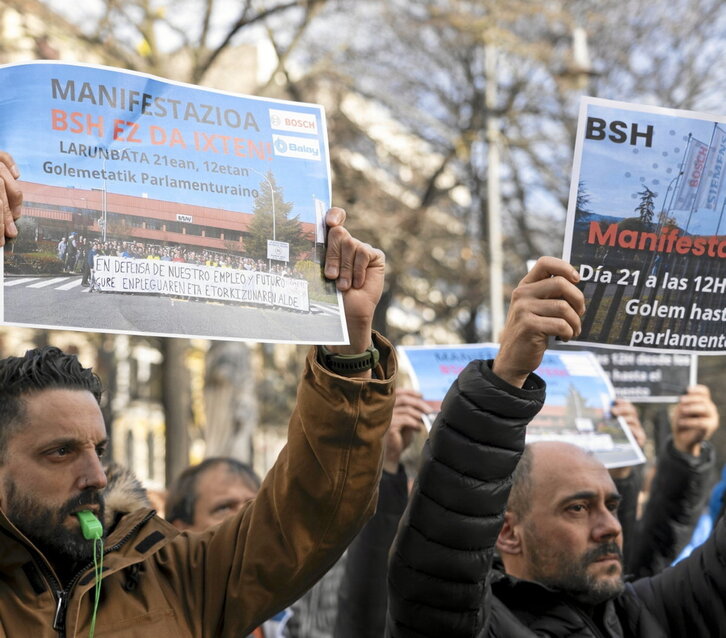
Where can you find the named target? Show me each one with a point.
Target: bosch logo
(309, 124)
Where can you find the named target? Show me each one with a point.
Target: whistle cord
(97, 570)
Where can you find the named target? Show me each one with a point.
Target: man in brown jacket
(157, 581)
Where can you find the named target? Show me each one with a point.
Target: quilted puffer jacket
(441, 578)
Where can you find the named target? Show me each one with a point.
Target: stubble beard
(571, 576)
(46, 527)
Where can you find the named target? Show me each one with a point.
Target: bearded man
(550, 510)
(158, 581)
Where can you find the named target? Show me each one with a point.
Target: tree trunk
(230, 401)
(177, 402)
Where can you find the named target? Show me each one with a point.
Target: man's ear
(509, 540)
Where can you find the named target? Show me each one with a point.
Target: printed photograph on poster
(644, 377)
(646, 228)
(156, 207)
(576, 409)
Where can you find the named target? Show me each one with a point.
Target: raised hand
(545, 304)
(628, 411)
(407, 420)
(358, 270)
(694, 420)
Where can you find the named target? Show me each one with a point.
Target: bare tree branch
(243, 21)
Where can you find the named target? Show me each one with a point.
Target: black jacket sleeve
(690, 597)
(678, 496)
(362, 596)
(438, 582)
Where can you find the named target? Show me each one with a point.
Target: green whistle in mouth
(90, 525)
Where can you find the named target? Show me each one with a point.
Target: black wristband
(348, 363)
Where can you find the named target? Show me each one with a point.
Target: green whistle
(90, 525)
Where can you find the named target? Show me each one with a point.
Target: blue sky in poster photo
(618, 161)
(168, 131)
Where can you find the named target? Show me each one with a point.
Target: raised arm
(628, 480)
(678, 494)
(323, 486)
(442, 555)
(358, 269)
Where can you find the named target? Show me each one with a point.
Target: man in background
(207, 493)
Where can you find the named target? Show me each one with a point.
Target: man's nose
(92, 474)
(607, 525)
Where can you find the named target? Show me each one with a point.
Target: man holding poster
(550, 511)
(154, 580)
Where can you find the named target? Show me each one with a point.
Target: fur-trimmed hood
(123, 494)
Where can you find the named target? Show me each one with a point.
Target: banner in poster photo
(646, 228)
(157, 207)
(576, 410)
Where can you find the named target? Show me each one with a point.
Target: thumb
(335, 217)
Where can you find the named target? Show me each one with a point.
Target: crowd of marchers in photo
(74, 252)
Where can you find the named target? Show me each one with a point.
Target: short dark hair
(520, 497)
(39, 369)
(182, 496)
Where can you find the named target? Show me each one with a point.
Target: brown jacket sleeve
(312, 503)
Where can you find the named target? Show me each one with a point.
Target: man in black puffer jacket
(559, 536)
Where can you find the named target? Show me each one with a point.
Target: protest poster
(645, 377)
(645, 227)
(576, 409)
(162, 208)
